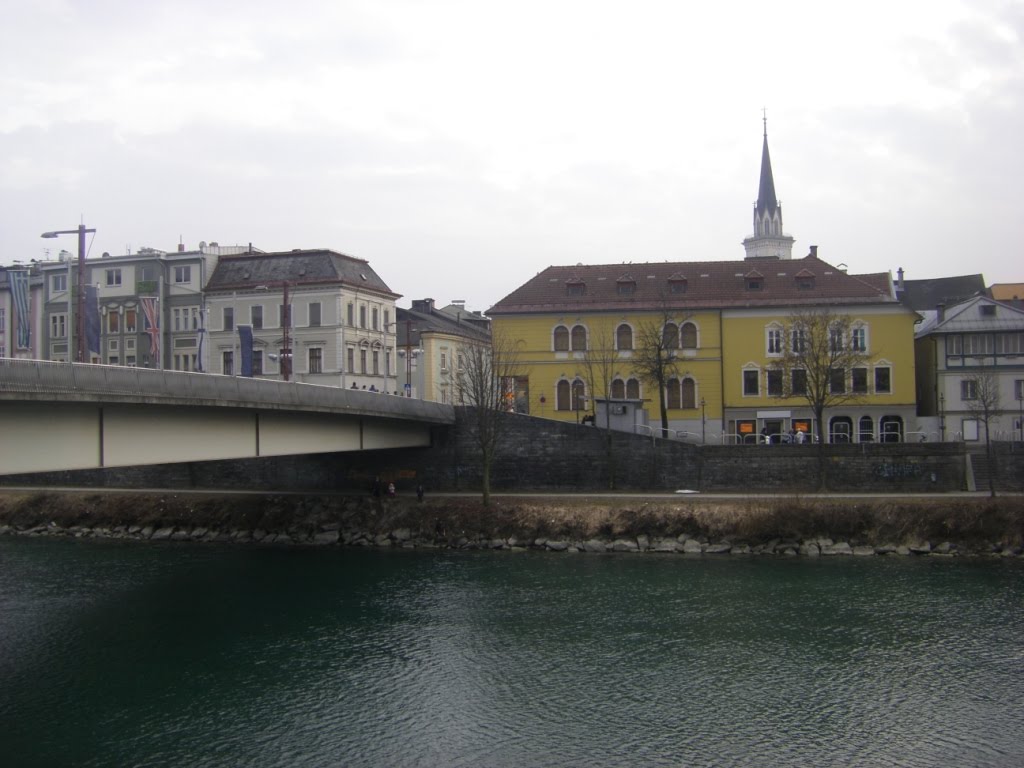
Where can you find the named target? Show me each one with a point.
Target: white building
(339, 328)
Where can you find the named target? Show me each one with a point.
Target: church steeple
(768, 240)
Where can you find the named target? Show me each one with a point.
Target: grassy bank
(971, 524)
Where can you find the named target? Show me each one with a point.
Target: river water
(128, 654)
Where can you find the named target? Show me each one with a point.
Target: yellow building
(723, 322)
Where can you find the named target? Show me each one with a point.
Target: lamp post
(286, 321)
(79, 323)
(942, 417)
(703, 422)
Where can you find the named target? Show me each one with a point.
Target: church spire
(768, 240)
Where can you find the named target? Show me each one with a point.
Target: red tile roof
(709, 285)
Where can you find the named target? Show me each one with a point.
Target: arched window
(561, 338)
(579, 338)
(670, 336)
(672, 388)
(890, 429)
(562, 400)
(689, 399)
(633, 389)
(579, 398)
(688, 336)
(618, 389)
(623, 337)
(840, 429)
(866, 430)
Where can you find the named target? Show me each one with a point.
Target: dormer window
(677, 284)
(754, 280)
(625, 285)
(575, 287)
(805, 280)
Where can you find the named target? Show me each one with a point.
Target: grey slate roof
(965, 317)
(928, 294)
(414, 323)
(309, 267)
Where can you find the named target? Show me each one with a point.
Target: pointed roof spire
(766, 200)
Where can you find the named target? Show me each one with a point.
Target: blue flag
(23, 321)
(92, 319)
(245, 347)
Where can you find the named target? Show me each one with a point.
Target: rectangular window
(228, 323)
(375, 315)
(988, 310)
(444, 361)
(113, 277)
(387, 319)
(774, 341)
(1009, 343)
(954, 346)
(283, 319)
(626, 289)
(968, 389)
(859, 380)
(227, 363)
(113, 360)
(751, 383)
(314, 313)
(800, 382)
(351, 360)
(978, 344)
(129, 360)
(130, 321)
(58, 326)
(798, 341)
(575, 289)
(256, 317)
(183, 274)
(1018, 389)
(775, 383)
(350, 315)
(257, 362)
(376, 363)
(194, 317)
(59, 283)
(462, 361)
(362, 361)
(362, 316)
(883, 381)
(837, 381)
(835, 339)
(859, 340)
(316, 360)
(177, 319)
(113, 322)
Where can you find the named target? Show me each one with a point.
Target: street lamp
(79, 323)
(703, 422)
(286, 321)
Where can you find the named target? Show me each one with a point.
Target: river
(129, 654)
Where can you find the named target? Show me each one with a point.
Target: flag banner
(149, 309)
(245, 347)
(23, 320)
(92, 319)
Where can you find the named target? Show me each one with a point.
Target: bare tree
(487, 383)
(599, 363)
(984, 405)
(822, 360)
(656, 358)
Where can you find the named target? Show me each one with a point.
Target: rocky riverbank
(705, 526)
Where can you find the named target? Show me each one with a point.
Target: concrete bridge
(59, 416)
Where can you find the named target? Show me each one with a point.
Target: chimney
(941, 311)
(423, 305)
(899, 280)
(814, 252)
(181, 247)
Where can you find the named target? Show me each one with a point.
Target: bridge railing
(55, 378)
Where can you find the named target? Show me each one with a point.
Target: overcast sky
(461, 147)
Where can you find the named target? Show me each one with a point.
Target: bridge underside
(47, 436)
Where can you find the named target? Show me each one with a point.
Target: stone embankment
(780, 527)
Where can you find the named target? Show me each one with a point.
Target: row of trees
(816, 352)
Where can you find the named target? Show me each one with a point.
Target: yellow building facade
(720, 320)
